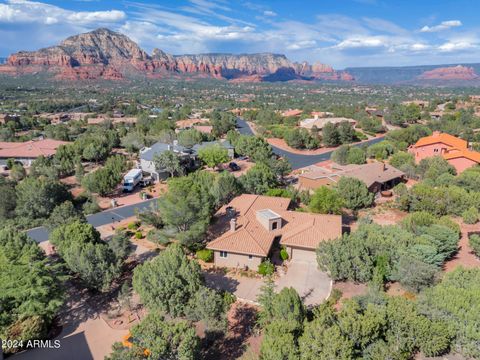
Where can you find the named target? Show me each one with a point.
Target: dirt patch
(241, 334)
(465, 256)
(349, 289)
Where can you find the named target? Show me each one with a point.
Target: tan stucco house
(246, 229)
(377, 176)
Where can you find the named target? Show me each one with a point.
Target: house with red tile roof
(26, 152)
(451, 148)
(247, 229)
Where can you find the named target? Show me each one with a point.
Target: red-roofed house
(451, 148)
(247, 228)
(28, 151)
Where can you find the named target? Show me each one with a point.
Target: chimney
(436, 133)
(233, 225)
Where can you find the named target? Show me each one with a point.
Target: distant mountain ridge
(453, 74)
(106, 54)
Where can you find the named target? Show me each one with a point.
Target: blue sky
(337, 32)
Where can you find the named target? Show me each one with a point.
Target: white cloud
(444, 25)
(456, 46)
(269, 13)
(24, 11)
(300, 45)
(362, 42)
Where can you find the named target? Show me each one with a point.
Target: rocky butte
(105, 54)
(458, 72)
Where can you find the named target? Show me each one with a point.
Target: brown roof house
(26, 152)
(377, 176)
(247, 229)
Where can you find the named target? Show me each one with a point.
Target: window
(435, 150)
(250, 257)
(274, 225)
(223, 254)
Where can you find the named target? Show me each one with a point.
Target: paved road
(297, 160)
(40, 234)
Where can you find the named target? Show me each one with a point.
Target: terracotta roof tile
(471, 155)
(29, 149)
(443, 138)
(250, 237)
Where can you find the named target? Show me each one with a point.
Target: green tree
(446, 302)
(8, 200)
(106, 179)
(208, 306)
(474, 242)
(432, 167)
(402, 158)
(330, 135)
(340, 155)
(62, 214)
(213, 155)
(346, 133)
(356, 155)
(65, 159)
(415, 274)
(37, 197)
(189, 138)
(31, 288)
(84, 253)
(168, 282)
(186, 209)
(278, 343)
(17, 172)
(326, 201)
(164, 339)
(168, 161)
(354, 193)
(258, 179)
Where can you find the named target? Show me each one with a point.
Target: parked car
(233, 166)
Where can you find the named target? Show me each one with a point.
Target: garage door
(303, 255)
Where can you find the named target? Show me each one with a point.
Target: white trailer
(131, 179)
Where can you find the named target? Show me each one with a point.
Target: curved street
(298, 160)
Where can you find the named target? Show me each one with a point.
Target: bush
(229, 298)
(133, 225)
(205, 255)
(138, 235)
(474, 242)
(470, 216)
(266, 268)
(284, 254)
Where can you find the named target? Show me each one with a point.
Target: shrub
(266, 268)
(284, 254)
(205, 255)
(470, 216)
(229, 298)
(474, 242)
(133, 225)
(138, 235)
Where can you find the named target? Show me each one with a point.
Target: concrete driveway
(313, 285)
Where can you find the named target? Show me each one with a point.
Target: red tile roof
(443, 138)
(252, 238)
(29, 149)
(471, 155)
